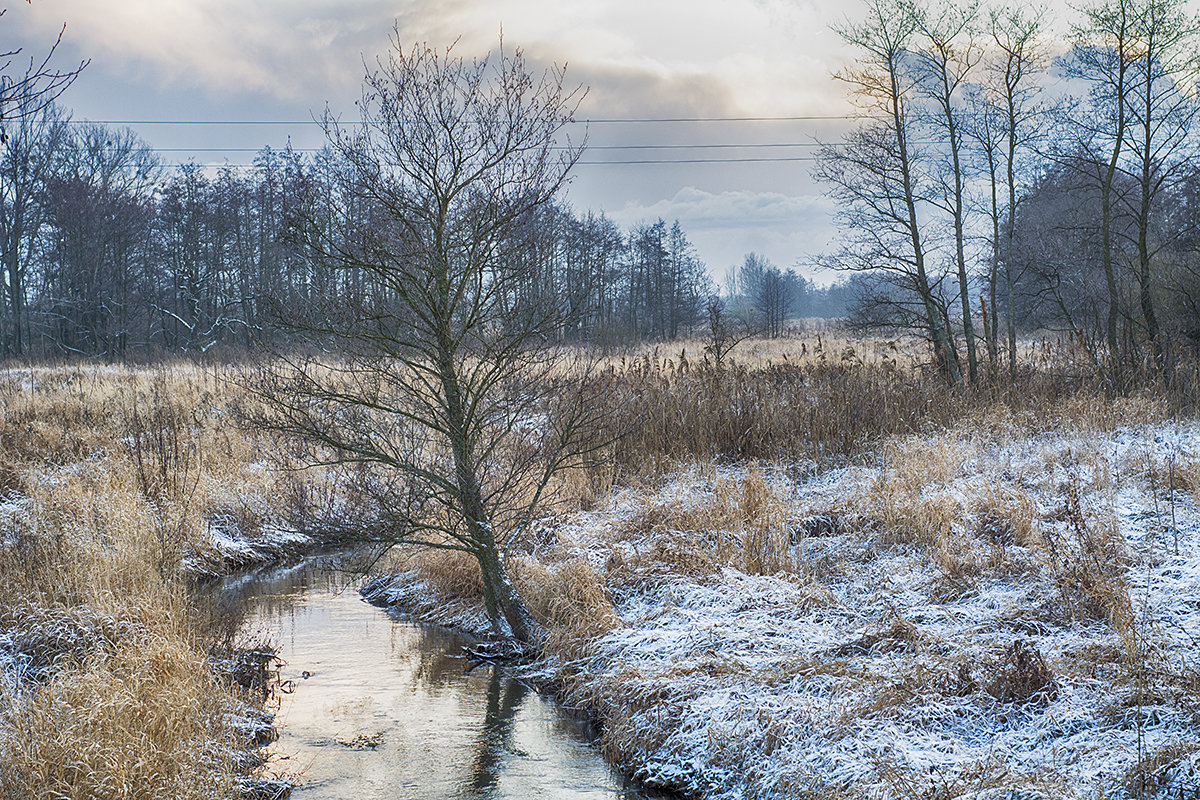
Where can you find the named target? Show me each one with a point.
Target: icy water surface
(389, 709)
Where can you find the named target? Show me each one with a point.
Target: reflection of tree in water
(425, 655)
(433, 655)
(504, 698)
(223, 607)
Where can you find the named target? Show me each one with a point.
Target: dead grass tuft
(113, 477)
(139, 721)
(1005, 515)
(901, 634)
(1089, 563)
(1022, 676)
(1154, 774)
(568, 599)
(451, 572)
(745, 523)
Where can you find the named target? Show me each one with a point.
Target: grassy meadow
(117, 487)
(814, 572)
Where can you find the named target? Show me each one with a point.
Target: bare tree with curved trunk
(875, 175)
(441, 387)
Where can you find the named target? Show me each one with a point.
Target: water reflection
(384, 708)
(503, 699)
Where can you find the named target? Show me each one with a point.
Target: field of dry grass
(116, 487)
(813, 572)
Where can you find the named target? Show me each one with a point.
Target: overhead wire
(597, 120)
(590, 148)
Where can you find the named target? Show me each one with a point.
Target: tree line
(109, 253)
(996, 187)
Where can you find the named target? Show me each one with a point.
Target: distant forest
(987, 189)
(107, 253)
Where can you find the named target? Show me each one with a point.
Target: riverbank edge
(408, 594)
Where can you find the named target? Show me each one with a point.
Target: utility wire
(613, 162)
(602, 120)
(589, 148)
(696, 161)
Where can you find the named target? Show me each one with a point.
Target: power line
(591, 147)
(599, 120)
(606, 163)
(803, 118)
(697, 161)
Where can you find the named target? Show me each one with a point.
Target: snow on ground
(426, 602)
(223, 549)
(885, 662)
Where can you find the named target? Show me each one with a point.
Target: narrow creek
(383, 707)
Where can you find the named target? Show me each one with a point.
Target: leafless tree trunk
(1104, 53)
(947, 59)
(1163, 111)
(28, 159)
(874, 174)
(1016, 34)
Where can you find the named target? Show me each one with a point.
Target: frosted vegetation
(787, 601)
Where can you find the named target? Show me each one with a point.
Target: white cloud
(754, 55)
(281, 48)
(724, 226)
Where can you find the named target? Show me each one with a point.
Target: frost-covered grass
(975, 612)
(116, 485)
(1004, 609)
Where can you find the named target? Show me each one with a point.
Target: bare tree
(1163, 112)
(945, 62)
(29, 158)
(38, 86)
(442, 390)
(1104, 55)
(768, 291)
(1013, 88)
(724, 332)
(875, 175)
(101, 207)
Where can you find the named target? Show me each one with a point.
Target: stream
(382, 707)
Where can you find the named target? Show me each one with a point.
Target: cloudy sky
(282, 61)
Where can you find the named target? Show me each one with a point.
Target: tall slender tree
(875, 175)
(945, 60)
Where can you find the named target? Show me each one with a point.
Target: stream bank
(376, 705)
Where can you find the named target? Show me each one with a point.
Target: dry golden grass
(828, 397)
(568, 600)
(812, 343)
(114, 476)
(452, 572)
(745, 522)
(122, 702)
